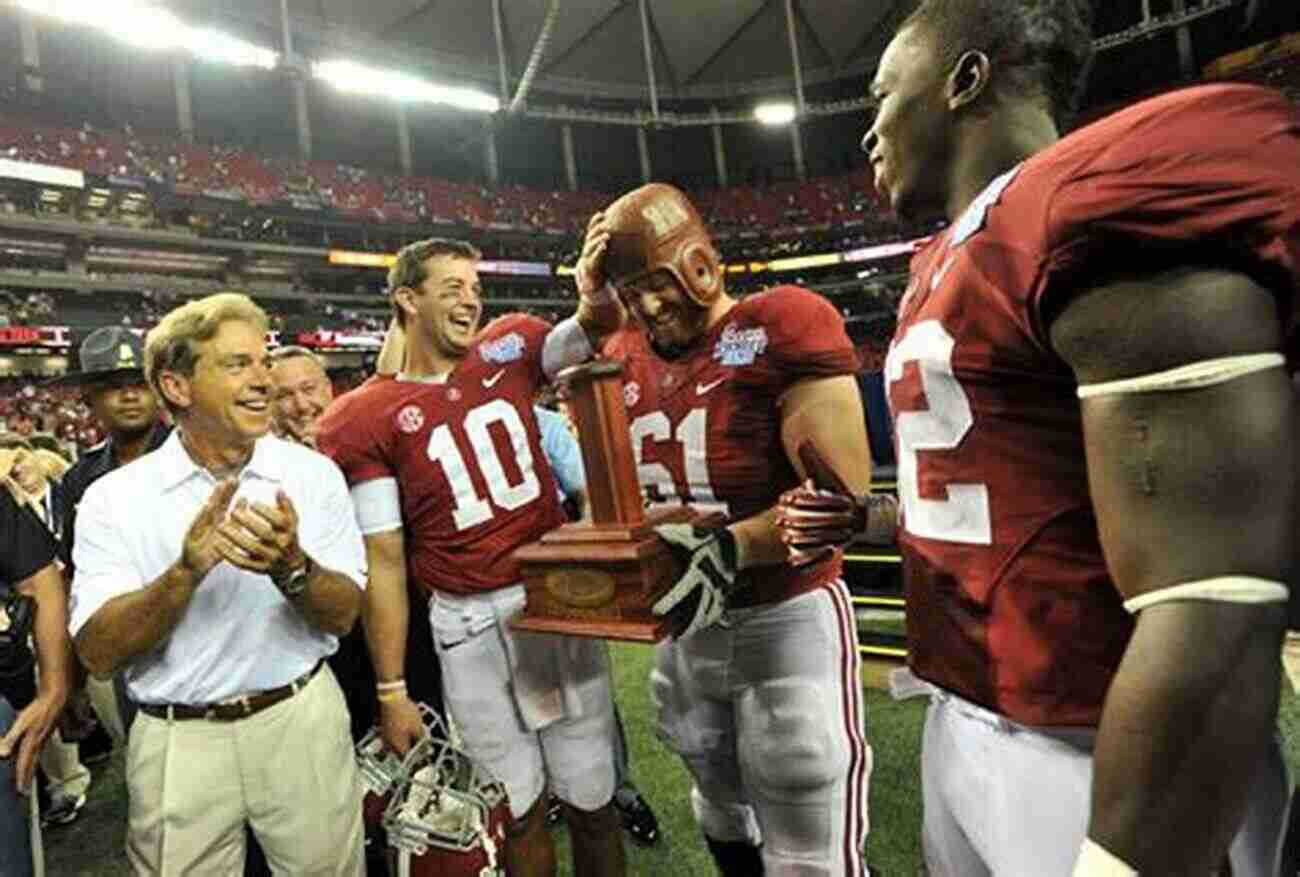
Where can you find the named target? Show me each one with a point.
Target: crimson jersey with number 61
(466, 456)
(1009, 602)
(706, 427)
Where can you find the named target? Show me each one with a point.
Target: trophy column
(600, 576)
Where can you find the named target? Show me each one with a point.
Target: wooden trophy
(600, 576)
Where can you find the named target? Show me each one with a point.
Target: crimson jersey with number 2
(1009, 602)
(706, 427)
(466, 455)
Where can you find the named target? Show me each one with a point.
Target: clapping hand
(200, 552)
(261, 538)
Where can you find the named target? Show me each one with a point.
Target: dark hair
(1043, 46)
(409, 269)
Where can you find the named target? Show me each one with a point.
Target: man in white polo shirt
(218, 572)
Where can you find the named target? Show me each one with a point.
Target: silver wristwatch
(295, 582)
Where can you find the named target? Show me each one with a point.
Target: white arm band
(1224, 589)
(565, 345)
(1097, 861)
(1193, 376)
(377, 505)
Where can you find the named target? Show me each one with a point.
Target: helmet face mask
(446, 800)
(379, 766)
(445, 815)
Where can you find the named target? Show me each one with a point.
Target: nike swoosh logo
(943, 270)
(701, 389)
(491, 382)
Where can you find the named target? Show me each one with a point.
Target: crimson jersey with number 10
(466, 455)
(1009, 602)
(706, 427)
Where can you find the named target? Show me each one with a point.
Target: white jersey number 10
(470, 508)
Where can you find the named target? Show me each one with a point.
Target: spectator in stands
(240, 739)
(22, 423)
(47, 441)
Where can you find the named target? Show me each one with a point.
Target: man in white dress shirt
(218, 572)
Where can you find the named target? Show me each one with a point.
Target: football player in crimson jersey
(1095, 435)
(759, 690)
(448, 478)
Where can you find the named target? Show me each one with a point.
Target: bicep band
(1223, 589)
(1097, 861)
(1193, 376)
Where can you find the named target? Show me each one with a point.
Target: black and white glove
(700, 595)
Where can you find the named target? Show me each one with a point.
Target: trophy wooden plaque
(599, 577)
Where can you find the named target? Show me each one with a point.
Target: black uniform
(26, 547)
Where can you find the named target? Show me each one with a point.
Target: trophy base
(600, 581)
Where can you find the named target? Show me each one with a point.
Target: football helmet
(448, 816)
(381, 769)
(656, 227)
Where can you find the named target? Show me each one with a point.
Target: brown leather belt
(230, 710)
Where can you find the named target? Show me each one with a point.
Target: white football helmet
(449, 814)
(381, 769)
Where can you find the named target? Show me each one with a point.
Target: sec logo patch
(410, 419)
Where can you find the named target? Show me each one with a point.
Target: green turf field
(894, 730)
(92, 847)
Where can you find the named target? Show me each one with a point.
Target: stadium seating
(235, 173)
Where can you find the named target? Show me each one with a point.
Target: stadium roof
(702, 49)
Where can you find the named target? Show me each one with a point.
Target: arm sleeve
(806, 336)
(562, 452)
(565, 345)
(347, 438)
(1211, 182)
(104, 568)
(378, 505)
(28, 546)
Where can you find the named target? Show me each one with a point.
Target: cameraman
(27, 558)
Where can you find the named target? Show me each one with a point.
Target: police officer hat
(110, 352)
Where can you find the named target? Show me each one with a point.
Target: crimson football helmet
(449, 815)
(656, 227)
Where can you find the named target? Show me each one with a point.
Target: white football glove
(699, 597)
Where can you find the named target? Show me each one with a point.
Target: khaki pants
(288, 771)
(103, 697)
(61, 762)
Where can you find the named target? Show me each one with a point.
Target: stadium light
(774, 114)
(147, 26)
(348, 76)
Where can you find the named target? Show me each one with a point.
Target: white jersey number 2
(470, 508)
(964, 515)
